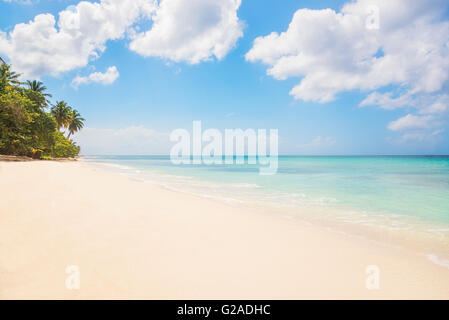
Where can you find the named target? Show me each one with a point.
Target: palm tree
(36, 92)
(8, 77)
(38, 86)
(62, 114)
(76, 123)
(2, 61)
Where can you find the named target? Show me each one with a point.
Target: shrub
(64, 148)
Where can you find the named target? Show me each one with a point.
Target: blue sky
(159, 87)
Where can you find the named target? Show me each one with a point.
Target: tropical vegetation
(27, 127)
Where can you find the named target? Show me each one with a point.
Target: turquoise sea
(395, 192)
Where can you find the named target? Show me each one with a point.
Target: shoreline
(430, 246)
(136, 240)
(8, 158)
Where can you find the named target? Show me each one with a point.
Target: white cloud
(387, 101)
(410, 122)
(424, 103)
(191, 31)
(316, 146)
(439, 106)
(418, 136)
(332, 52)
(135, 140)
(335, 52)
(106, 78)
(46, 46)
(319, 142)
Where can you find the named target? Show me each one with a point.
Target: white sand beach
(133, 240)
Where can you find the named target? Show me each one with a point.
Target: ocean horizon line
(281, 155)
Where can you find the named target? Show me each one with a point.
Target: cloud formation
(191, 31)
(411, 122)
(46, 47)
(335, 51)
(106, 78)
(332, 52)
(319, 142)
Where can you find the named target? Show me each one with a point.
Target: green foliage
(64, 148)
(8, 77)
(26, 129)
(15, 123)
(36, 93)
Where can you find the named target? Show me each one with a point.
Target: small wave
(113, 165)
(435, 259)
(244, 185)
(202, 195)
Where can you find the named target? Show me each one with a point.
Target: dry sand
(135, 240)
